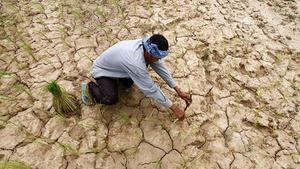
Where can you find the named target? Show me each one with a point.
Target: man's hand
(185, 96)
(178, 113)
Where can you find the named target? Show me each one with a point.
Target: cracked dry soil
(238, 58)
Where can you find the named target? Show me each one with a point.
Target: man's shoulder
(131, 41)
(129, 45)
(123, 47)
(131, 48)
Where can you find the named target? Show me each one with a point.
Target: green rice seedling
(22, 88)
(101, 12)
(63, 102)
(28, 137)
(260, 92)
(117, 4)
(61, 117)
(27, 47)
(68, 148)
(63, 31)
(44, 36)
(158, 164)
(13, 165)
(93, 150)
(148, 5)
(64, 34)
(86, 31)
(22, 131)
(125, 26)
(39, 6)
(22, 65)
(43, 141)
(77, 13)
(88, 124)
(61, 8)
(101, 25)
(146, 28)
(3, 97)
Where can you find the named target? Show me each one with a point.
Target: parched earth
(239, 59)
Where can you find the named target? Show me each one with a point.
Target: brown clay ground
(239, 59)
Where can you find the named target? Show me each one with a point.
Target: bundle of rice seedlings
(64, 103)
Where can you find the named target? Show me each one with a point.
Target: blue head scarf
(153, 49)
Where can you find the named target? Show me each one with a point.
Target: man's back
(112, 61)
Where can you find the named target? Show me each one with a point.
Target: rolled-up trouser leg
(105, 91)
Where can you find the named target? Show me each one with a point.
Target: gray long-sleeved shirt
(126, 60)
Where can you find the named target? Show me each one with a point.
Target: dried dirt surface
(238, 58)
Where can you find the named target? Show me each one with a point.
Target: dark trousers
(105, 91)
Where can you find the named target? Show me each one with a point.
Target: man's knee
(109, 90)
(110, 100)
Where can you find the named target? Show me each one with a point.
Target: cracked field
(240, 60)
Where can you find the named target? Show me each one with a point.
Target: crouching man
(126, 63)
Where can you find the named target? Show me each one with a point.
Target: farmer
(126, 63)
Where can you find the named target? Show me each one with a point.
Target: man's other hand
(185, 96)
(178, 113)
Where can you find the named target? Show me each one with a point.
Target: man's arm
(144, 82)
(185, 96)
(142, 79)
(160, 68)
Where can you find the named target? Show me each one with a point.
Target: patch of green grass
(125, 118)
(5, 74)
(13, 165)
